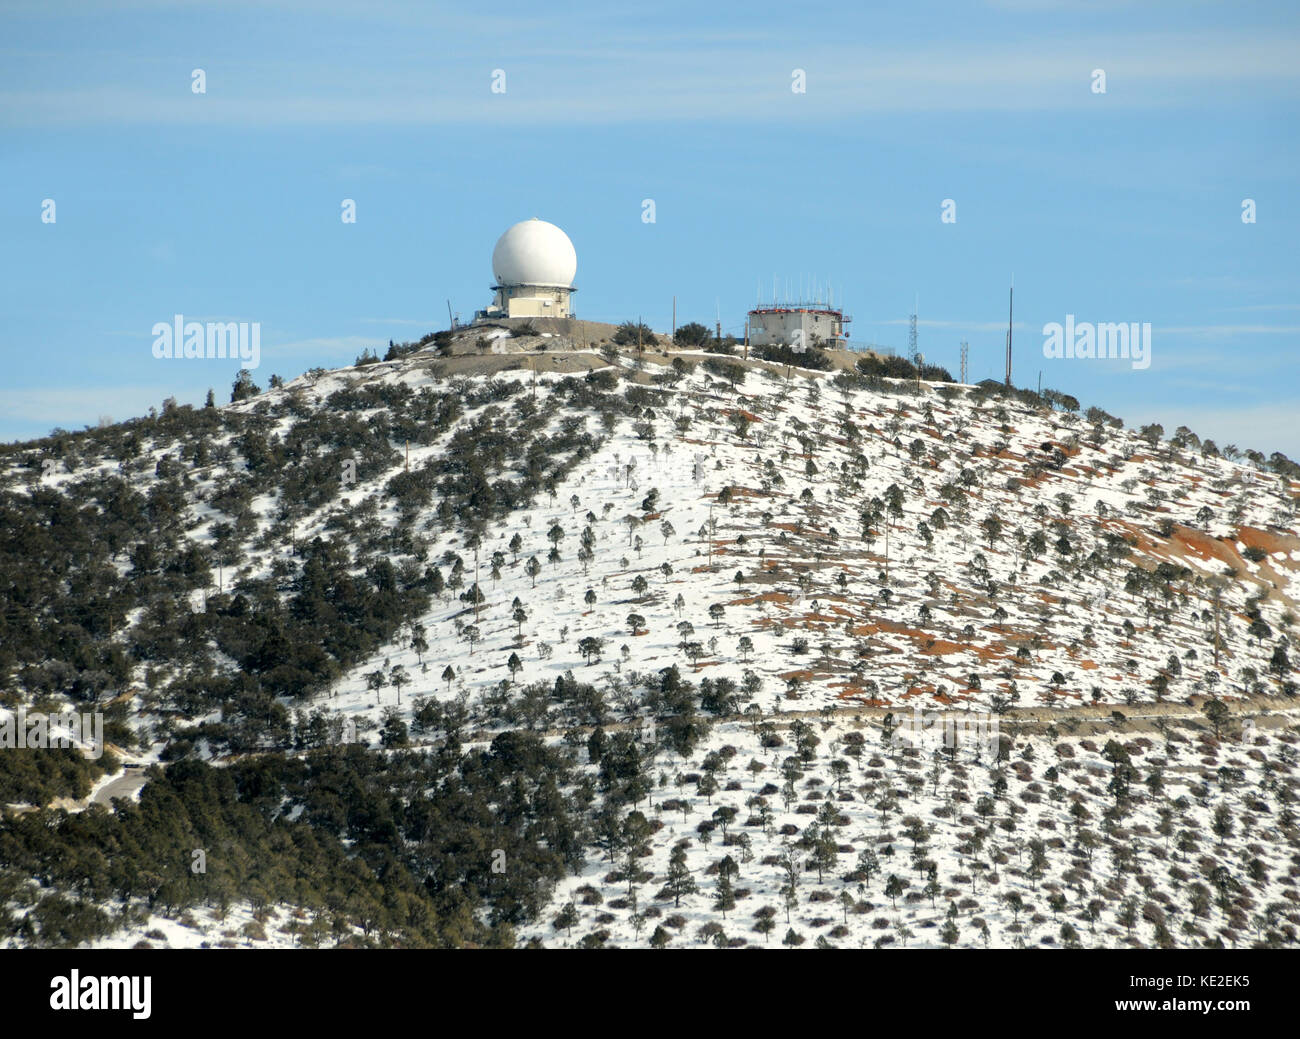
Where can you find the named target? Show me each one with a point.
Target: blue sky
(1122, 206)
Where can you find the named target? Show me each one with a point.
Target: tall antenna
(911, 332)
(965, 349)
(1011, 309)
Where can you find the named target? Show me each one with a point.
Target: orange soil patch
(1201, 546)
(926, 644)
(866, 701)
(940, 647)
(1252, 537)
(884, 624)
(819, 618)
(1141, 542)
(779, 597)
(996, 651)
(1188, 544)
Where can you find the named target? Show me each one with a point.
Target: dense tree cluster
(102, 581)
(402, 846)
(810, 357)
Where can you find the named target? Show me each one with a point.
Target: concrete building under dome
(534, 264)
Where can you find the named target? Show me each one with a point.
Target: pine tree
(725, 898)
(679, 881)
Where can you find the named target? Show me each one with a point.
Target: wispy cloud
(1226, 330)
(610, 74)
(969, 326)
(1168, 356)
(1214, 282)
(1263, 306)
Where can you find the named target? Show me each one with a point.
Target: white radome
(534, 252)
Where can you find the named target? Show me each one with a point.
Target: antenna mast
(911, 332)
(1011, 309)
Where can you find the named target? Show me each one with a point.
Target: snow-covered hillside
(1001, 564)
(822, 561)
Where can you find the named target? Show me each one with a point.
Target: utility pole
(1011, 309)
(710, 533)
(1216, 631)
(1216, 597)
(886, 545)
(965, 348)
(674, 319)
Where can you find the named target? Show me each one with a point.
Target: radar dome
(534, 252)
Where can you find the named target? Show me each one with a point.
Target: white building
(533, 264)
(786, 324)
